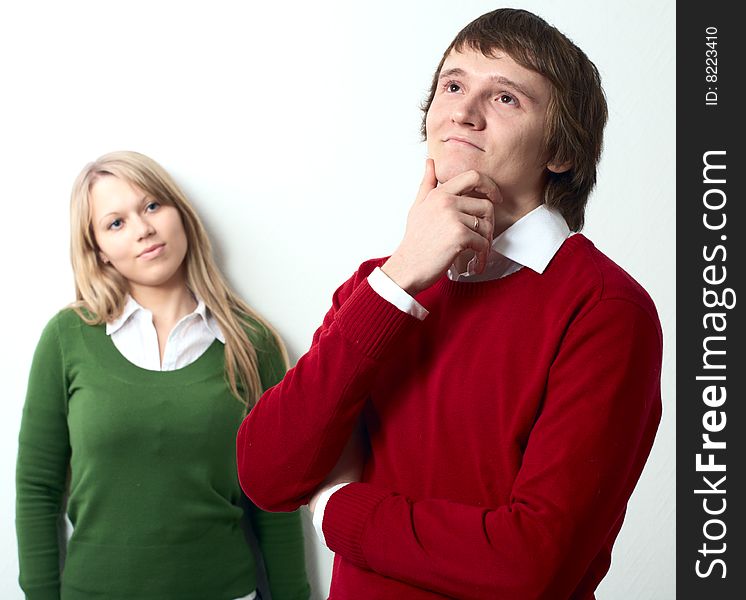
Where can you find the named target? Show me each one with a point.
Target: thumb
(429, 181)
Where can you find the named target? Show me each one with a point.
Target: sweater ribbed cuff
(370, 322)
(346, 516)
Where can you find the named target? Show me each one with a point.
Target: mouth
(462, 141)
(151, 251)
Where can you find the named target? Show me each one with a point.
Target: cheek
(447, 164)
(435, 119)
(429, 133)
(170, 225)
(111, 247)
(532, 142)
(177, 234)
(178, 231)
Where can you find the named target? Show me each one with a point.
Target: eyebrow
(499, 79)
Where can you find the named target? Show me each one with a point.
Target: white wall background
(294, 127)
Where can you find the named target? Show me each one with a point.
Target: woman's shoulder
(71, 318)
(260, 335)
(65, 326)
(62, 320)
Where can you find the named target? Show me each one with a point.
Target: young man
(502, 374)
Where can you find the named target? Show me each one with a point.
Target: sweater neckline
(114, 361)
(467, 288)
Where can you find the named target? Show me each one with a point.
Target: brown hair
(577, 111)
(101, 292)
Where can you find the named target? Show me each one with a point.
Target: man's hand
(441, 225)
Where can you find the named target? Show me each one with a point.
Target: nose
(144, 228)
(468, 112)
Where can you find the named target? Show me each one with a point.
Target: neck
(168, 302)
(505, 216)
(512, 209)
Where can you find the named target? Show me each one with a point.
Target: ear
(103, 257)
(560, 168)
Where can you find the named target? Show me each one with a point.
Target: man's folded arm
(582, 460)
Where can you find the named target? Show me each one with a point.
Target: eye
(507, 99)
(152, 206)
(115, 224)
(452, 87)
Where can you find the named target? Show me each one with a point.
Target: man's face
(488, 114)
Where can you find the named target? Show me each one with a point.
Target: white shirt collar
(533, 240)
(131, 307)
(210, 321)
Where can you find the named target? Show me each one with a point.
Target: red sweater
(507, 431)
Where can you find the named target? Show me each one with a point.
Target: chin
(446, 169)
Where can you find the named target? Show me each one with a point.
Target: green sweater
(148, 459)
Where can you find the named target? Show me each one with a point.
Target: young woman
(134, 399)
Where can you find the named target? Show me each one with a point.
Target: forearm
(41, 469)
(37, 528)
(40, 481)
(537, 546)
(295, 434)
(280, 539)
(450, 548)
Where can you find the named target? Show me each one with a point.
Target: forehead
(109, 192)
(499, 68)
(107, 186)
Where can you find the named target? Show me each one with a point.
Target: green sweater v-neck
(153, 493)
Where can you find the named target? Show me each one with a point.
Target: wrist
(396, 271)
(320, 501)
(324, 493)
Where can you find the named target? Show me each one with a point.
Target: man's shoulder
(609, 281)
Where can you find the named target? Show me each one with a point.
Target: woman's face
(141, 238)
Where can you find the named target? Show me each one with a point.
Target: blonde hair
(101, 292)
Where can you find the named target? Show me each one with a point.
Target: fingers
(476, 207)
(476, 196)
(429, 181)
(444, 221)
(478, 237)
(479, 244)
(481, 226)
(471, 182)
(477, 216)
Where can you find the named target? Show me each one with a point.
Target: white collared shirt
(134, 335)
(532, 241)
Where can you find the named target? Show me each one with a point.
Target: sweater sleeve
(280, 538)
(295, 434)
(279, 535)
(581, 463)
(41, 472)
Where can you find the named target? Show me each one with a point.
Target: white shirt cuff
(318, 513)
(384, 286)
